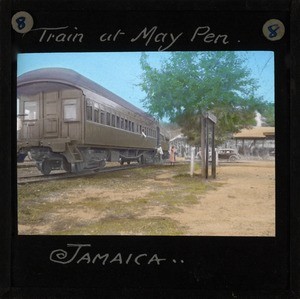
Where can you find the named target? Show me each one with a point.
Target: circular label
(22, 22)
(273, 30)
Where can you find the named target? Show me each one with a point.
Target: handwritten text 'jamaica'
(79, 254)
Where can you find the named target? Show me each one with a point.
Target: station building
(255, 141)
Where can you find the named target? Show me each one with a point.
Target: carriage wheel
(142, 160)
(46, 167)
(67, 166)
(102, 163)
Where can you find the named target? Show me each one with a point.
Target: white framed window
(31, 110)
(71, 110)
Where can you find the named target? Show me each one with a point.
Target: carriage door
(51, 113)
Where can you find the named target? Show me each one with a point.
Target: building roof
(255, 133)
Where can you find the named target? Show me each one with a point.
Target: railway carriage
(67, 121)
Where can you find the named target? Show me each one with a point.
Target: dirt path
(243, 206)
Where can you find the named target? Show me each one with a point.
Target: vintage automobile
(272, 152)
(228, 154)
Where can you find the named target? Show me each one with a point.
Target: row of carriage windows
(95, 114)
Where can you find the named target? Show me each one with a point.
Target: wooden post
(213, 152)
(203, 172)
(192, 160)
(207, 119)
(207, 149)
(158, 135)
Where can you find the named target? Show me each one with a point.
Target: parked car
(272, 153)
(228, 154)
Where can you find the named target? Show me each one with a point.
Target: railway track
(27, 179)
(27, 164)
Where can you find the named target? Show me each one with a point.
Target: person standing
(172, 155)
(160, 153)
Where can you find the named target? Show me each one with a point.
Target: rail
(60, 176)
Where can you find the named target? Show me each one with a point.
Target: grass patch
(139, 191)
(114, 226)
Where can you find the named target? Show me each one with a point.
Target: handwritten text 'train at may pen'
(153, 36)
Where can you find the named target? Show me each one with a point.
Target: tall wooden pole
(213, 154)
(203, 163)
(207, 148)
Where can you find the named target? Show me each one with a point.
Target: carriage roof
(51, 79)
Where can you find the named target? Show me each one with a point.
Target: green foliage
(191, 83)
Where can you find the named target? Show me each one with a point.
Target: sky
(120, 72)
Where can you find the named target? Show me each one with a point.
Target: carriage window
(31, 110)
(102, 117)
(118, 121)
(122, 123)
(96, 113)
(108, 118)
(113, 120)
(89, 110)
(70, 110)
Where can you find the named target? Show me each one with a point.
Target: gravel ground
(160, 201)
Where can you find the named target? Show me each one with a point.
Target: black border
(5, 175)
(295, 160)
(218, 261)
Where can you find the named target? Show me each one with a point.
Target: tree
(266, 109)
(191, 83)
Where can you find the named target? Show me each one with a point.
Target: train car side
(74, 128)
(47, 128)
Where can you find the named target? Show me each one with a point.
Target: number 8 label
(22, 22)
